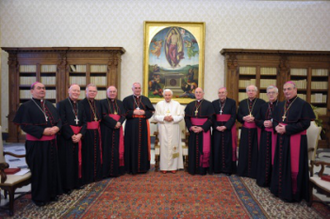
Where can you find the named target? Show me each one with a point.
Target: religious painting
(173, 59)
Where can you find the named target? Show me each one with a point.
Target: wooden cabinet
(308, 69)
(57, 68)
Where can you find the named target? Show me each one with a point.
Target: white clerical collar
(199, 100)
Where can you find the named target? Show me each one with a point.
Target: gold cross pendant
(196, 112)
(95, 118)
(283, 118)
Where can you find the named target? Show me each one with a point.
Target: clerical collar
(222, 101)
(112, 100)
(252, 99)
(40, 100)
(290, 100)
(199, 100)
(137, 96)
(274, 102)
(73, 100)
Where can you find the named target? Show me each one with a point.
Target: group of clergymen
(83, 141)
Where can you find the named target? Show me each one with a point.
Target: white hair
(272, 87)
(167, 90)
(255, 88)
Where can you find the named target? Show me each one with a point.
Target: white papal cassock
(169, 135)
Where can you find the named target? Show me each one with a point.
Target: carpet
(180, 195)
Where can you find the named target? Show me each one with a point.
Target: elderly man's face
(91, 92)
(136, 89)
(272, 95)
(74, 92)
(112, 93)
(168, 96)
(222, 94)
(289, 91)
(251, 92)
(39, 91)
(199, 94)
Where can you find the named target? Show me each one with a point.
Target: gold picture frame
(174, 59)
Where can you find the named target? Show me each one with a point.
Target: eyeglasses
(273, 92)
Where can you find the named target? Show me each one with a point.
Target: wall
(297, 25)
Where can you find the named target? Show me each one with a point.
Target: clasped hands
(196, 129)
(76, 137)
(248, 118)
(280, 129)
(139, 112)
(221, 128)
(268, 124)
(51, 130)
(168, 118)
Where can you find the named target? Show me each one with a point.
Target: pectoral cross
(283, 118)
(46, 118)
(115, 113)
(138, 108)
(220, 112)
(250, 114)
(95, 118)
(76, 120)
(196, 112)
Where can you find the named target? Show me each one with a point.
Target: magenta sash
(225, 118)
(121, 140)
(76, 130)
(295, 154)
(252, 125)
(43, 138)
(205, 157)
(96, 125)
(274, 139)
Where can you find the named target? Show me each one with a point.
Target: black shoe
(55, 199)
(68, 191)
(40, 204)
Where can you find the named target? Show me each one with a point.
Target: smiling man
(40, 120)
(112, 134)
(69, 139)
(137, 133)
(290, 177)
(92, 147)
(198, 118)
(168, 115)
(267, 139)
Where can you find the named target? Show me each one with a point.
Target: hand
(118, 125)
(280, 129)
(47, 131)
(168, 118)
(268, 124)
(221, 128)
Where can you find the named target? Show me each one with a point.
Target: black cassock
(223, 147)
(266, 147)
(137, 139)
(92, 147)
(199, 161)
(290, 179)
(70, 153)
(41, 155)
(112, 164)
(248, 147)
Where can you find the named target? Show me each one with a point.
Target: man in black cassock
(267, 139)
(198, 118)
(92, 159)
(137, 132)
(224, 144)
(112, 134)
(69, 139)
(248, 148)
(292, 117)
(40, 120)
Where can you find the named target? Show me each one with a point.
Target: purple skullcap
(32, 85)
(290, 82)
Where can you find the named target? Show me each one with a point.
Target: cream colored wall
(229, 24)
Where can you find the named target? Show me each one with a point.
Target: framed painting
(173, 59)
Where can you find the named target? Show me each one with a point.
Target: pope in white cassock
(168, 115)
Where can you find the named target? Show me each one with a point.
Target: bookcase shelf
(57, 68)
(308, 69)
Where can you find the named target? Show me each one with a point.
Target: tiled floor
(323, 154)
